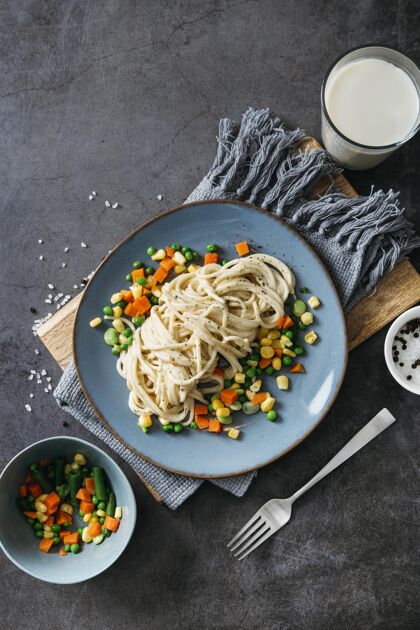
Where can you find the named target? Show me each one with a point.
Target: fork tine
(257, 525)
(249, 541)
(257, 544)
(251, 521)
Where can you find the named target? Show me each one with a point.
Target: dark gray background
(124, 97)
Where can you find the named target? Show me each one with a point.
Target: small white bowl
(399, 323)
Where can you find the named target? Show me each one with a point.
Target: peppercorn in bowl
(67, 511)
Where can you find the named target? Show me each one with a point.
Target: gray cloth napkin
(358, 239)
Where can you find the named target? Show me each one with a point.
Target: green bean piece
(228, 384)
(224, 262)
(106, 532)
(137, 264)
(129, 277)
(99, 479)
(111, 337)
(176, 247)
(299, 307)
(43, 480)
(151, 251)
(59, 471)
(111, 505)
(75, 483)
(212, 247)
(107, 310)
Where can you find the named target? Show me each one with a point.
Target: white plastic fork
(277, 512)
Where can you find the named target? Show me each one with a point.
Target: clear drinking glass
(347, 152)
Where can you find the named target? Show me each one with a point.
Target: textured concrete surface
(124, 96)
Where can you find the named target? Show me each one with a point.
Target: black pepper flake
(33, 310)
(409, 377)
(394, 347)
(401, 364)
(416, 335)
(404, 347)
(65, 424)
(395, 359)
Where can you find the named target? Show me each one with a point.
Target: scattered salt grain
(108, 205)
(28, 407)
(51, 286)
(82, 244)
(90, 197)
(66, 249)
(75, 286)
(115, 205)
(49, 387)
(33, 372)
(63, 265)
(36, 352)
(60, 295)
(40, 241)
(48, 379)
(43, 373)
(160, 197)
(31, 395)
(48, 301)
(46, 390)
(30, 377)
(41, 257)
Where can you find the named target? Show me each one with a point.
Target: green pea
(196, 255)
(225, 420)
(176, 247)
(80, 530)
(129, 277)
(56, 540)
(269, 370)
(153, 299)
(210, 408)
(106, 532)
(34, 467)
(251, 372)
(299, 307)
(75, 548)
(299, 351)
(141, 281)
(101, 505)
(150, 251)
(39, 533)
(185, 250)
(66, 547)
(81, 514)
(301, 325)
(66, 525)
(193, 424)
(137, 264)
(149, 271)
(178, 427)
(31, 499)
(144, 429)
(287, 360)
(258, 371)
(124, 347)
(290, 334)
(56, 528)
(38, 526)
(254, 357)
(122, 304)
(111, 337)
(243, 399)
(271, 415)
(95, 500)
(224, 262)
(212, 247)
(128, 332)
(115, 351)
(188, 256)
(138, 321)
(30, 521)
(102, 520)
(227, 384)
(168, 428)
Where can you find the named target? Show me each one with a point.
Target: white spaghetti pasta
(210, 314)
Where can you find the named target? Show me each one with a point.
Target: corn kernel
(179, 269)
(289, 353)
(234, 433)
(276, 363)
(240, 377)
(314, 302)
(118, 512)
(157, 292)
(256, 386)
(274, 334)
(137, 291)
(145, 421)
(85, 536)
(277, 344)
(282, 382)
(116, 297)
(159, 255)
(101, 513)
(217, 404)
(234, 386)
(87, 517)
(97, 321)
(42, 497)
(117, 311)
(98, 539)
(163, 421)
(75, 466)
(267, 352)
(117, 348)
(40, 507)
(307, 318)
(66, 507)
(267, 404)
(192, 268)
(47, 528)
(249, 394)
(311, 337)
(80, 459)
(286, 341)
(123, 339)
(224, 412)
(93, 520)
(48, 535)
(266, 341)
(41, 517)
(179, 258)
(263, 332)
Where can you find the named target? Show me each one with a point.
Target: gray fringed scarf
(358, 239)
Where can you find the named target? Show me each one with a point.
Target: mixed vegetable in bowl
(54, 493)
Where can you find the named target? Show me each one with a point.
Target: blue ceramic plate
(17, 537)
(300, 410)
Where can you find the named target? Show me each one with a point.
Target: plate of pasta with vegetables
(211, 340)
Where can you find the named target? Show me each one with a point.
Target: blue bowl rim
(131, 235)
(131, 493)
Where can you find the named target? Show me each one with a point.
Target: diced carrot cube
(142, 305)
(35, 489)
(160, 275)
(169, 251)
(130, 310)
(63, 517)
(278, 352)
(297, 368)
(72, 538)
(211, 258)
(111, 523)
(87, 507)
(202, 422)
(137, 273)
(229, 396)
(215, 426)
(167, 263)
(63, 552)
(219, 372)
(200, 410)
(127, 296)
(242, 248)
(45, 544)
(83, 495)
(257, 399)
(23, 490)
(264, 363)
(30, 514)
(284, 322)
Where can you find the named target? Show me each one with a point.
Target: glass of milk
(370, 105)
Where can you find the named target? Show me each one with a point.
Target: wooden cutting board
(397, 291)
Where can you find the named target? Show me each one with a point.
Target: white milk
(372, 102)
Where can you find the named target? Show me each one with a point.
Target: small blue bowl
(17, 538)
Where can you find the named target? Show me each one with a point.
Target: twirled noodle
(210, 314)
